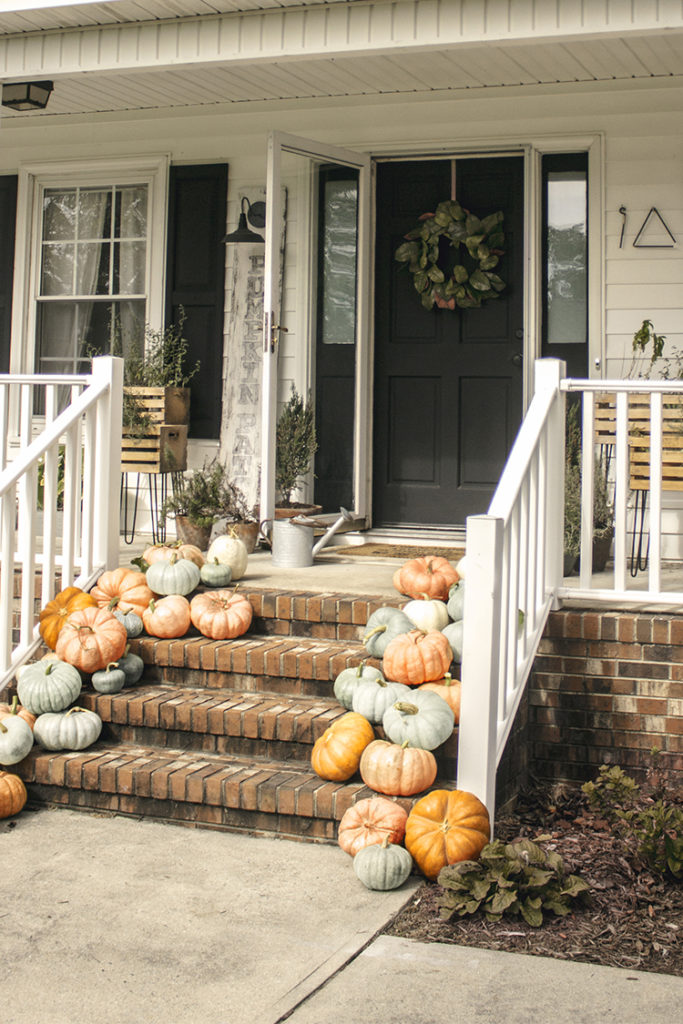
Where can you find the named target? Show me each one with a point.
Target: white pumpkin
(229, 550)
(427, 614)
(461, 567)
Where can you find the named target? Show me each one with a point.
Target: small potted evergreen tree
(295, 447)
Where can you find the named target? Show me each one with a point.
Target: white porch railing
(86, 440)
(515, 552)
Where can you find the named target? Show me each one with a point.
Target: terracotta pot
(247, 532)
(297, 509)
(188, 532)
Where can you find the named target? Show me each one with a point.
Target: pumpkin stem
(15, 705)
(405, 708)
(3, 728)
(359, 670)
(374, 632)
(71, 711)
(111, 665)
(424, 597)
(113, 603)
(385, 842)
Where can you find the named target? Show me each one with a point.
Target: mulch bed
(631, 919)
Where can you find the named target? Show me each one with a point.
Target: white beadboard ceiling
(398, 52)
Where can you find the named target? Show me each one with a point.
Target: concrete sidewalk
(122, 921)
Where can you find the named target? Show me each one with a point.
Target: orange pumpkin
(167, 617)
(446, 826)
(369, 822)
(124, 589)
(336, 754)
(416, 657)
(397, 770)
(91, 638)
(450, 690)
(427, 576)
(12, 794)
(55, 613)
(16, 709)
(221, 614)
(158, 552)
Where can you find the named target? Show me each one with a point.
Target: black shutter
(196, 281)
(8, 215)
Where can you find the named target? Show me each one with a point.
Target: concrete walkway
(132, 922)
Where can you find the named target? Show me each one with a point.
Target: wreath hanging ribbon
(444, 275)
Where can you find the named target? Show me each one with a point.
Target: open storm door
(317, 277)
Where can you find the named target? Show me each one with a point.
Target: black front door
(448, 383)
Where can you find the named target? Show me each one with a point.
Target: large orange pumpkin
(370, 821)
(167, 617)
(416, 657)
(55, 613)
(397, 770)
(426, 576)
(336, 754)
(450, 690)
(446, 826)
(124, 589)
(91, 638)
(12, 794)
(221, 614)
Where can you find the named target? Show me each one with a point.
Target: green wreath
(443, 275)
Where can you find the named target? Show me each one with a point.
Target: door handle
(517, 359)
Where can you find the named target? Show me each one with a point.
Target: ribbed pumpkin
(372, 697)
(126, 589)
(49, 684)
(397, 770)
(230, 550)
(159, 552)
(427, 613)
(349, 678)
(16, 709)
(173, 576)
(381, 628)
(336, 754)
(221, 614)
(426, 576)
(91, 638)
(74, 729)
(416, 657)
(13, 794)
(382, 866)
(168, 617)
(55, 613)
(446, 826)
(16, 739)
(449, 689)
(370, 821)
(423, 720)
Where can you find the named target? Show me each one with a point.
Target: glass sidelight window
(565, 259)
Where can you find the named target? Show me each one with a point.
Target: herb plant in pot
(204, 497)
(296, 445)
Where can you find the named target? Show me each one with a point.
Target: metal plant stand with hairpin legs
(158, 487)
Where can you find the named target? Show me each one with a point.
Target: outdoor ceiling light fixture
(26, 95)
(256, 212)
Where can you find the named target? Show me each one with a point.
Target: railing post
(547, 376)
(108, 461)
(477, 733)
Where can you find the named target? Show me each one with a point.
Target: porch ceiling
(153, 54)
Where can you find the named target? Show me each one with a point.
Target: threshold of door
(417, 536)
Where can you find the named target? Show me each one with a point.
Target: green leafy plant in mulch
(520, 878)
(648, 819)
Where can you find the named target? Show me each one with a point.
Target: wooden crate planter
(639, 438)
(162, 448)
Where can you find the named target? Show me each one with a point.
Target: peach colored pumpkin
(397, 770)
(16, 709)
(444, 827)
(125, 589)
(450, 690)
(427, 576)
(91, 638)
(167, 617)
(221, 614)
(370, 821)
(336, 754)
(416, 657)
(157, 552)
(55, 613)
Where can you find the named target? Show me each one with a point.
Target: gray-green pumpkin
(173, 576)
(382, 626)
(111, 679)
(131, 622)
(383, 866)
(453, 634)
(456, 601)
(215, 573)
(132, 665)
(47, 686)
(349, 678)
(75, 729)
(372, 697)
(423, 720)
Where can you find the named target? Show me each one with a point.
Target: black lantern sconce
(26, 95)
(256, 214)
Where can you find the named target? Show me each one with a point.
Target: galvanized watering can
(292, 540)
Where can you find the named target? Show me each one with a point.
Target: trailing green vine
(451, 255)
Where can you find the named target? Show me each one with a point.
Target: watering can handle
(266, 531)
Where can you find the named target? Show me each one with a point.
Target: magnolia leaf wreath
(443, 274)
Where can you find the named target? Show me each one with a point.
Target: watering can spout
(345, 517)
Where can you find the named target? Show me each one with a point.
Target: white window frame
(34, 179)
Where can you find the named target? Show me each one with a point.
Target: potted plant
(205, 496)
(295, 446)
(603, 511)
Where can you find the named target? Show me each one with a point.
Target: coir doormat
(398, 551)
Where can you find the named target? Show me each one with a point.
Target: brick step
(224, 721)
(207, 789)
(318, 616)
(296, 666)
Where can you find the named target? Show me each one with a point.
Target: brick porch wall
(606, 687)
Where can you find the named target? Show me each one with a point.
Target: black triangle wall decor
(654, 212)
